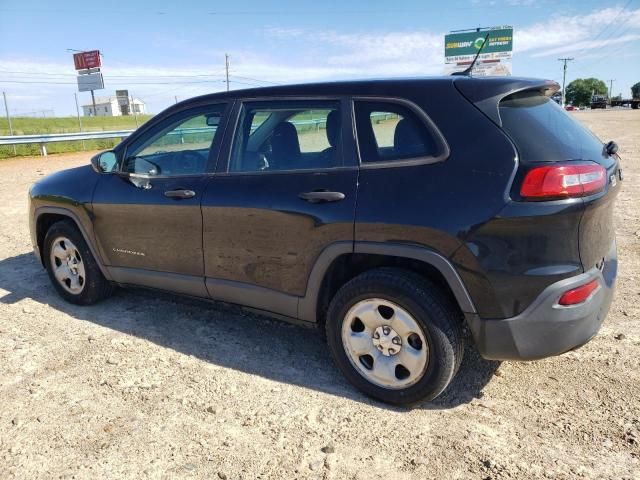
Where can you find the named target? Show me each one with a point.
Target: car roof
(389, 86)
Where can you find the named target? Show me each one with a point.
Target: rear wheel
(395, 336)
(72, 269)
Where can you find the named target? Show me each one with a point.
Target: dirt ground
(155, 386)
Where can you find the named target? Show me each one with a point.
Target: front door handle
(319, 196)
(180, 193)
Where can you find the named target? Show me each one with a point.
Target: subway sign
(462, 46)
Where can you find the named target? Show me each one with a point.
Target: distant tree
(580, 90)
(617, 97)
(635, 90)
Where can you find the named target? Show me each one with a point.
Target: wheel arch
(45, 217)
(339, 263)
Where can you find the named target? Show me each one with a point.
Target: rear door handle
(180, 193)
(319, 196)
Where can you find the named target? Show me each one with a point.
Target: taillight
(579, 295)
(563, 181)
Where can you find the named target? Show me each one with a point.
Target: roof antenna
(469, 69)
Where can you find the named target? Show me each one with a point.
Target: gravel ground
(155, 386)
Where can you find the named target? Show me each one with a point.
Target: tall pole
(6, 109)
(611, 87)
(133, 107)
(226, 67)
(564, 77)
(93, 100)
(78, 113)
(176, 97)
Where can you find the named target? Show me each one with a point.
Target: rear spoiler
(487, 93)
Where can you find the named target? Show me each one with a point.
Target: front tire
(72, 269)
(395, 336)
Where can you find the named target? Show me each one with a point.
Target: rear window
(543, 131)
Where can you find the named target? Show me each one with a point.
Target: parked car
(395, 214)
(570, 108)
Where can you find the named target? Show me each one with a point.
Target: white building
(109, 107)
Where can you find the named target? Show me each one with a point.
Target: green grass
(32, 126)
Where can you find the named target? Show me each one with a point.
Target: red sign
(85, 60)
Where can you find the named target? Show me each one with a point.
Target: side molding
(252, 296)
(171, 282)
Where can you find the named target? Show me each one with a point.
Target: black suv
(396, 214)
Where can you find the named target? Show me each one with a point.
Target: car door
(147, 217)
(286, 193)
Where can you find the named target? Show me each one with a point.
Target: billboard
(461, 48)
(123, 97)
(86, 60)
(91, 81)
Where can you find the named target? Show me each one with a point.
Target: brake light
(563, 181)
(580, 294)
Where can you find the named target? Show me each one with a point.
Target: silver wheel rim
(67, 265)
(385, 343)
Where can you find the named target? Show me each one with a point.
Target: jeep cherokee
(395, 214)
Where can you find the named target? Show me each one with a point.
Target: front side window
(287, 135)
(388, 131)
(180, 147)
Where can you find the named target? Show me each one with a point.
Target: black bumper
(545, 329)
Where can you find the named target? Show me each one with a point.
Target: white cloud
(571, 31)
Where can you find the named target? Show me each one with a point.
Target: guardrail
(43, 139)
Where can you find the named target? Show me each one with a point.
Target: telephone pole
(6, 109)
(226, 67)
(611, 87)
(564, 76)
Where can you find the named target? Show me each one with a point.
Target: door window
(389, 131)
(179, 147)
(287, 135)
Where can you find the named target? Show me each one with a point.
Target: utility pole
(176, 97)
(611, 87)
(135, 111)
(78, 113)
(564, 76)
(6, 109)
(226, 67)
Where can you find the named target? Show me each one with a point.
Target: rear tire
(395, 336)
(72, 269)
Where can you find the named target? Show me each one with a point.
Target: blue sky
(159, 49)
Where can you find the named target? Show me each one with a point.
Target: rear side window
(543, 131)
(389, 131)
(287, 135)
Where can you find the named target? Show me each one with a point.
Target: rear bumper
(545, 329)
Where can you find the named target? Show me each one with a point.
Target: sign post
(79, 119)
(461, 47)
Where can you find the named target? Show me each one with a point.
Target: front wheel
(72, 269)
(395, 336)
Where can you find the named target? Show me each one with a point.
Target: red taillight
(563, 181)
(580, 294)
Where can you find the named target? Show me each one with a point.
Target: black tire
(440, 320)
(95, 287)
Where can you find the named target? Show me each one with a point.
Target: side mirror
(105, 162)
